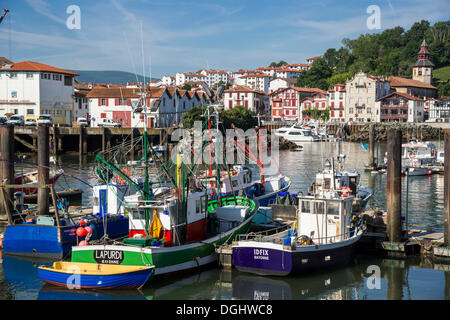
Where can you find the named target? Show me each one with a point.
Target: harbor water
(366, 278)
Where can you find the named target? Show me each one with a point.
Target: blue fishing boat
(74, 275)
(52, 236)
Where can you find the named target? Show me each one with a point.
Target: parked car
(16, 120)
(30, 122)
(82, 122)
(3, 120)
(45, 120)
(108, 123)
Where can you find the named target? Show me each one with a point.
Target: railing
(360, 105)
(277, 238)
(262, 235)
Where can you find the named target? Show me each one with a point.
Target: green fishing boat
(175, 230)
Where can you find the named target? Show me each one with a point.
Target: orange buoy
(88, 230)
(81, 232)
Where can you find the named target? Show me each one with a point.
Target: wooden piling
(7, 167)
(43, 169)
(446, 187)
(372, 146)
(81, 140)
(394, 185)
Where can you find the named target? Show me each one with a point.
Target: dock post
(132, 144)
(81, 140)
(371, 146)
(7, 166)
(446, 187)
(43, 169)
(394, 185)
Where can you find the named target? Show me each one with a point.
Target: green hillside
(107, 76)
(442, 74)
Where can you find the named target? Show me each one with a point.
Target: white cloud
(42, 7)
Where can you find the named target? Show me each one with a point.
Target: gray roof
(423, 63)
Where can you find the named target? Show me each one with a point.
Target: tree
(325, 114)
(240, 116)
(316, 77)
(279, 64)
(192, 115)
(444, 90)
(187, 87)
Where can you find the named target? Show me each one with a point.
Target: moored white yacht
(297, 134)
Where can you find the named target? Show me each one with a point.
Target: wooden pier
(84, 140)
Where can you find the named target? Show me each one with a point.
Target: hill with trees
(389, 53)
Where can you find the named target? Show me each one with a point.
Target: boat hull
(73, 280)
(52, 242)
(167, 260)
(266, 258)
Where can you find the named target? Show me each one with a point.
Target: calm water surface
(410, 278)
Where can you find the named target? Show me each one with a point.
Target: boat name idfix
(108, 256)
(262, 254)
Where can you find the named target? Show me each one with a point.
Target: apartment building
(30, 89)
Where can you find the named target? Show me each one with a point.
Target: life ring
(411, 155)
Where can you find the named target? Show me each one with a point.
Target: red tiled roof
(244, 89)
(402, 94)
(118, 92)
(259, 75)
(403, 82)
(36, 66)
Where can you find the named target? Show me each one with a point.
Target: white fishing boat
(417, 153)
(346, 182)
(323, 236)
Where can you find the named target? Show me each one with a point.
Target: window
(305, 206)
(369, 111)
(30, 111)
(29, 75)
(67, 80)
(198, 207)
(14, 94)
(13, 75)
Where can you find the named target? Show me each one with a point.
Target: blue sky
(184, 36)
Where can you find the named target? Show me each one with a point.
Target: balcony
(393, 116)
(396, 106)
(363, 105)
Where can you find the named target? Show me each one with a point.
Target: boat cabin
(325, 220)
(418, 153)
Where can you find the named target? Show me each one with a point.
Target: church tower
(423, 68)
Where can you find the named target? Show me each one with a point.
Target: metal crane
(5, 11)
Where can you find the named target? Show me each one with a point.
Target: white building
(361, 93)
(440, 110)
(215, 76)
(168, 80)
(299, 66)
(30, 89)
(167, 105)
(254, 100)
(256, 81)
(182, 78)
(287, 73)
(336, 103)
(400, 107)
(279, 83)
